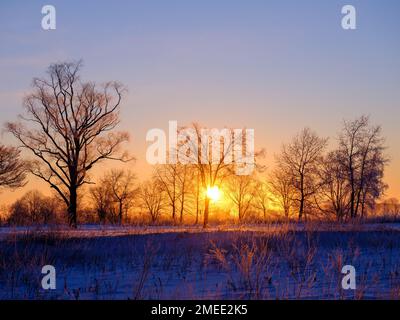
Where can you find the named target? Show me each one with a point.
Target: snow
(293, 261)
(91, 231)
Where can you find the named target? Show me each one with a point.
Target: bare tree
(71, 129)
(335, 189)
(12, 168)
(301, 159)
(391, 207)
(211, 151)
(33, 207)
(174, 179)
(197, 196)
(167, 176)
(242, 193)
(102, 201)
(151, 195)
(185, 184)
(361, 149)
(122, 186)
(261, 197)
(281, 186)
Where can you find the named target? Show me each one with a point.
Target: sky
(274, 66)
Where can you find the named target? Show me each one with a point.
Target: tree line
(69, 127)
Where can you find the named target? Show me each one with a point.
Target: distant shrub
(34, 208)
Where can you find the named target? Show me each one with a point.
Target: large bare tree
(68, 127)
(210, 151)
(12, 168)
(211, 168)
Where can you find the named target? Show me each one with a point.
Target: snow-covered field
(226, 262)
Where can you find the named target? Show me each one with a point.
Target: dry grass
(281, 263)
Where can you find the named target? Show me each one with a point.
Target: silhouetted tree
(361, 151)
(152, 195)
(174, 179)
(261, 197)
(282, 189)
(301, 160)
(242, 192)
(122, 188)
(72, 123)
(33, 208)
(167, 176)
(102, 200)
(197, 196)
(335, 191)
(186, 184)
(210, 151)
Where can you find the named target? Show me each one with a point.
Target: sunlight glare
(213, 193)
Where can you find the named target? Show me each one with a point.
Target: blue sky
(275, 66)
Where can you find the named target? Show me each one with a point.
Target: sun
(213, 193)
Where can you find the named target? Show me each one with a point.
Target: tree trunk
(364, 195)
(206, 207)
(353, 192)
(173, 211)
(197, 198)
(72, 208)
(301, 209)
(197, 201)
(352, 200)
(120, 212)
(182, 207)
(197, 213)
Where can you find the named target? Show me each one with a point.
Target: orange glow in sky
(213, 193)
